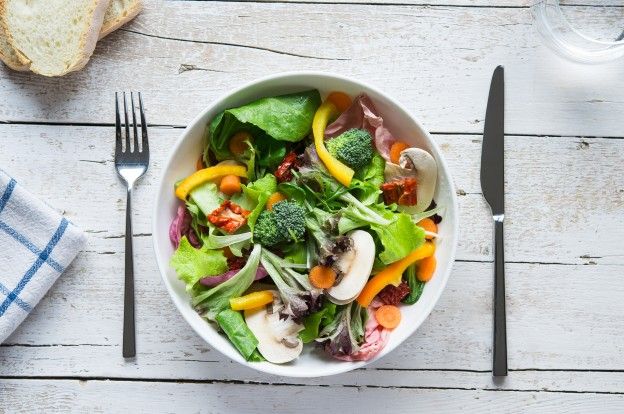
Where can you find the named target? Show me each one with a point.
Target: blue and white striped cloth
(36, 246)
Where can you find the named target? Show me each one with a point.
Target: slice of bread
(119, 12)
(8, 55)
(53, 37)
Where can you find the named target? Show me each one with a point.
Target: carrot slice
(230, 184)
(274, 199)
(428, 225)
(322, 277)
(395, 151)
(426, 268)
(388, 316)
(341, 100)
(237, 143)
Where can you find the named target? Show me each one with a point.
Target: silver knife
(493, 187)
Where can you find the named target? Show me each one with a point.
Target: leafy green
(282, 118)
(234, 326)
(419, 216)
(255, 195)
(415, 285)
(249, 159)
(192, 264)
(298, 295)
(292, 191)
(316, 321)
(368, 180)
(217, 298)
(206, 197)
(398, 238)
(373, 172)
(270, 151)
(345, 333)
(236, 242)
(358, 322)
(295, 253)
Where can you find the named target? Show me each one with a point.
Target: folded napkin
(36, 246)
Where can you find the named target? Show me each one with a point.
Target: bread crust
(87, 41)
(133, 11)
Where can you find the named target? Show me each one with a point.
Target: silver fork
(131, 163)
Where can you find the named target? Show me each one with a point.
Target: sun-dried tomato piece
(229, 216)
(290, 162)
(402, 192)
(392, 295)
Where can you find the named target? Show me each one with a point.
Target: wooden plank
(104, 396)
(457, 3)
(436, 60)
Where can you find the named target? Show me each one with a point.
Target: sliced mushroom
(356, 265)
(277, 338)
(417, 163)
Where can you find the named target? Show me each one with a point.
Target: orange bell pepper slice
(391, 274)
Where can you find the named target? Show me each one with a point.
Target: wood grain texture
(565, 209)
(104, 396)
(437, 60)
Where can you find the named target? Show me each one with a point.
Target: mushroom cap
(273, 349)
(419, 164)
(356, 266)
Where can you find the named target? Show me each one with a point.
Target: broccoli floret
(285, 223)
(290, 219)
(353, 147)
(265, 230)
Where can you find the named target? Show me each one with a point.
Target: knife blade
(493, 188)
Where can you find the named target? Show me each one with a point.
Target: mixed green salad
(306, 222)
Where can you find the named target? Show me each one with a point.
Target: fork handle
(129, 345)
(500, 323)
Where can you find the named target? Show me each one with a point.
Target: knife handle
(500, 324)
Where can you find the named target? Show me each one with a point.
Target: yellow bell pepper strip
(392, 273)
(252, 300)
(337, 169)
(202, 176)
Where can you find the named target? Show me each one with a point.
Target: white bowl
(181, 162)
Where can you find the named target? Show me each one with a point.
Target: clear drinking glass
(588, 31)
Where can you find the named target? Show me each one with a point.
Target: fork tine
(127, 124)
(134, 124)
(144, 143)
(117, 127)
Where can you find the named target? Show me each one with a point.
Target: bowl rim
(344, 366)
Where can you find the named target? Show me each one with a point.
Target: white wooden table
(565, 203)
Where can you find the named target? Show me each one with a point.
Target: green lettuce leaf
(368, 180)
(255, 195)
(316, 321)
(296, 253)
(282, 118)
(399, 238)
(192, 264)
(206, 197)
(415, 285)
(236, 242)
(217, 298)
(237, 331)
